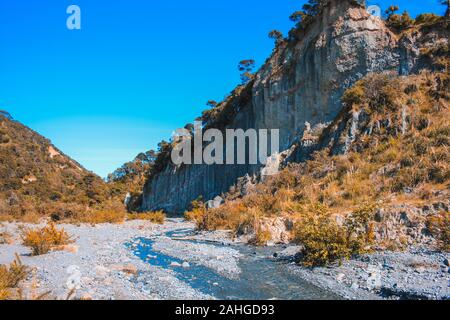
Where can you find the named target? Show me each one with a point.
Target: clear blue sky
(137, 69)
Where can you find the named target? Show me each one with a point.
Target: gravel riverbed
(105, 263)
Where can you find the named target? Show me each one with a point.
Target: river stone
(175, 264)
(447, 262)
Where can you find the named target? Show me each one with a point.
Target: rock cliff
(298, 90)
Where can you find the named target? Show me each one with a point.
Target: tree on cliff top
(277, 36)
(391, 10)
(396, 21)
(212, 103)
(246, 68)
(304, 17)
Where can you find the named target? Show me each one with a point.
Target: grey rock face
(301, 83)
(412, 46)
(215, 203)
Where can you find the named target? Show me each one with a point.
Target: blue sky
(136, 71)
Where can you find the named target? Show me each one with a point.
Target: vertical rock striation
(299, 86)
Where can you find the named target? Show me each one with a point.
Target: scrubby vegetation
(37, 180)
(399, 23)
(42, 240)
(101, 216)
(10, 278)
(324, 240)
(155, 217)
(131, 177)
(219, 114)
(439, 226)
(400, 154)
(277, 36)
(246, 68)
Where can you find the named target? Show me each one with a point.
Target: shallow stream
(261, 277)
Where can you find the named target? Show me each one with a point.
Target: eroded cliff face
(301, 83)
(304, 83)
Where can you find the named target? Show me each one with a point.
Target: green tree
(246, 68)
(277, 36)
(296, 16)
(212, 103)
(391, 11)
(398, 22)
(304, 17)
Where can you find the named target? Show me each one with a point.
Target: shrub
(246, 68)
(401, 144)
(322, 239)
(63, 211)
(325, 241)
(261, 237)
(155, 217)
(108, 212)
(102, 216)
(400, 22)
(42, 240)
(194, 215)
(427, 18)
(196, 212)
(359, 228)
(11, 276)
(277, 36)
(439, 227)
(234, 216)
(353, 95)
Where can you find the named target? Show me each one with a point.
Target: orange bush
(155, 217)
(11, 276)
(42, 240)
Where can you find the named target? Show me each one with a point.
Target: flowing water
(261, 277)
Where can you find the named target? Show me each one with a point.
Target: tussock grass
(10, 277)
(439, 226)
(401, 153)
(108, 212)
(157, 217)
(102, 216)
(42, 240)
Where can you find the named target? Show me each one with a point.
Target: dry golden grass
(324, 240)
(157, 217)
(101, 216)
(55, 178)
(196, 212)
(262, 237)
(6, 238)
(109, 212)
(10, 277)
(393, 159)
(439, 226)
(42, 240)
(195, 215)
